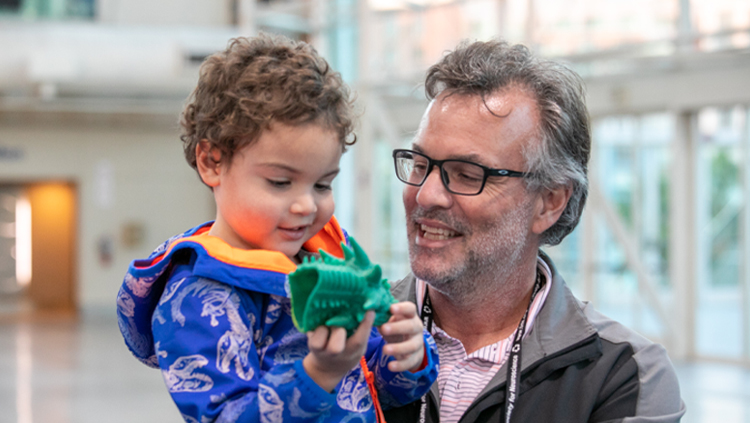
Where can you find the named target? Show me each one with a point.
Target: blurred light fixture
(398, 5)
(23, 241)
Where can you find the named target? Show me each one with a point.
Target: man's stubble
(491, 254)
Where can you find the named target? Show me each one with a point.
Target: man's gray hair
(561, 158)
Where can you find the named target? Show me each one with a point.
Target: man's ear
(550, 206)
(208, 162)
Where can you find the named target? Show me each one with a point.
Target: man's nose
(433, 193)
(304, 204)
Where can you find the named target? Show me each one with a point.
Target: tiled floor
(715, 393)
(61, 369)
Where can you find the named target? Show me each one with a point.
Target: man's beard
(491, 253)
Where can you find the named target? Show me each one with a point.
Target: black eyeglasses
(459, 176)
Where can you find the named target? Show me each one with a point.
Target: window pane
(10, 5)
(719, 298)
(728, 20)
(48, 9)
(632, 165)
(587, 25)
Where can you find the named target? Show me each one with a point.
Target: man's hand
(403, 333)
(332, 355)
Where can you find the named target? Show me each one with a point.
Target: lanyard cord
(514, 359)
(370, 378)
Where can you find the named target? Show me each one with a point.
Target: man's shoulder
(650, 357)
(574, 317)
(652, 371)
(611, 330)
(571, 309)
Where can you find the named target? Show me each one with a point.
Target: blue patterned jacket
(216, 320)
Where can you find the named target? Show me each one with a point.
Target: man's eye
(469, 177)
(420, 167)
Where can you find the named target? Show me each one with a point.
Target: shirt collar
(500, 346)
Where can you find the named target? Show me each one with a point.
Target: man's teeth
(437, 233)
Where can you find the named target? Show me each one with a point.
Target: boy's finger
(366, 325)
(401, 327)
(401, 366)
(336, 340)
(363, 331)
(404, 348)
(317, 339)
(408, 363)
(405, 309)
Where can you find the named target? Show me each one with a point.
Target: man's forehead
(500, 103)
(505, 120)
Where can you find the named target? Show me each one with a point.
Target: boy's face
(277, 192)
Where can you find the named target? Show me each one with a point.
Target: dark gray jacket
(578, 366)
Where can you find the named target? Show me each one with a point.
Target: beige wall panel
(135, 190)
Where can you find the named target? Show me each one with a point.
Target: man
(498, 169)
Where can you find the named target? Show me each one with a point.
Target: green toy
(334, 292)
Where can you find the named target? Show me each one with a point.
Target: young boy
(265, 129)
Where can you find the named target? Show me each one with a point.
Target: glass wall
(628, 209)
(408, 36)
(581, 26)
(725, 21)
(722, 140)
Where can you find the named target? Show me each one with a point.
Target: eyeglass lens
(458, 176)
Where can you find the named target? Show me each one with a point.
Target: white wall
(93, 60)
(165, 12)
(125, 171)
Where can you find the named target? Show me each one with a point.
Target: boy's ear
(551, 205)
(208, 162)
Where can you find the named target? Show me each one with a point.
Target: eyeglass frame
(488, 171)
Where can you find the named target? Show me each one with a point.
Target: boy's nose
(304, 205)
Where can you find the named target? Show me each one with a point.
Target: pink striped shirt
(462, 377)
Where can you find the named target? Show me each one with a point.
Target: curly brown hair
(257, 81)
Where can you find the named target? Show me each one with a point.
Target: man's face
(454, 238)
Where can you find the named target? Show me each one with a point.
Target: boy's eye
(279, 183)
(323, 187)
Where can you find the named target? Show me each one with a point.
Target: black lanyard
(514, 359)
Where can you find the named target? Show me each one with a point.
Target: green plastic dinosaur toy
(334, 292)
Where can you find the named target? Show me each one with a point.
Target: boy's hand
(332, 355)
(403, 334)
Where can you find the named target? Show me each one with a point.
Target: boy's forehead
(320, 124)
(283, 144)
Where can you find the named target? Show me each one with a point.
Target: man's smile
(436, 234)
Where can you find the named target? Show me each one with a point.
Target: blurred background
(92, 174)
